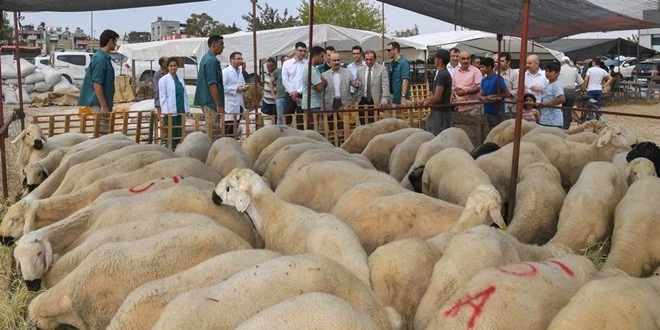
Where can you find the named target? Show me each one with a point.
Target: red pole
(17, 57)
(521, 92)
(3, 155)
(309, 58)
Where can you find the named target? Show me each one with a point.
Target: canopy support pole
(382, 30)
(17, 57)
(513, 182)
(254, 40)
(3, 155)
(309, 58)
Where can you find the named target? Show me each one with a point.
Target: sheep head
(483, 207)
(639, 168)
(617, 137)
(32, 137)
(34, 254)
(593, 125)
(643, 149)
(13, 223)
(415, 178)
(237, 187)
(33, 175)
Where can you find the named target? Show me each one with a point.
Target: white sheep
(403, 155)
(583, 137)
(618, 302)
(452, 137)
(638, 169)
(587, 215)
(379, 149)
(91, 294)
(279, 162)
(360, 137)
(635, 244)
(35, 145)
(502, 134)
(156, 185)
(288, 228)
(142, 308)
(525, 295)
(309, 311)
(268, 152)
(264, 136)
(318, 155)
(539, 198)
(194, 145)
(226, 154)
(591, 126)
(361, 194)
(467, 253)
(252, 290)
(319, 185)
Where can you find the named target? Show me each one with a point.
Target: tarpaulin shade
(581, 49)
(549, 19)
(82, 5)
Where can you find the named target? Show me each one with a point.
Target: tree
(223, 29)
(355, 14)
(203, 25)
(407, 32)
(6, 30)
(134, 37)
(269, 18)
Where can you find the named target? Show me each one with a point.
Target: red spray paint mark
(176, 179)
(562, 266)
(477, 302)
(533, 271)
(136, 190)
(303, 166)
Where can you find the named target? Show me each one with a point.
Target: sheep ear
(48, 253)
(242, 201)
(604, 138)
(19, 136)
(497, 218)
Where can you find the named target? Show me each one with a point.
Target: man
(453, 65)
(475, 61)
(593, 82)
(510, 78)
(374, 84)
(552, 96)
(292, 75)
(398, 73)
(234, 89)
(535, 79)
(162, 62)
(466, 83)
(268, 105)
(353, 67)
(98, 88)
(492, 91)
(327, 65)
(318, 83)
(339, 81)
(570, 78)
(210, 90)
(440, 117)
(280, 101)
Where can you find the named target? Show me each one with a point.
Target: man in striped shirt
(268, 106)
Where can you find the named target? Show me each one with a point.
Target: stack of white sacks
(35, 81)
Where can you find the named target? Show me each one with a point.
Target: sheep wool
(194, 145)
(360, 137)
(261, 138)
(273, 148)
(360, 194)
(403, 155)
(379, 149)
(502, 134)
(279, 162)
(226, 154)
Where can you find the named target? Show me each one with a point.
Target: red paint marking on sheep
(176, 179)
(563, 267)
(533, 271)
(477, 308)
(136, 190)
(303, 166)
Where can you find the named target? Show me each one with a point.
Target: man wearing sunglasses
(399, 73)
(292, 79)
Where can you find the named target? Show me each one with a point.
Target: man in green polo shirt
(98, 88)
(210, 92)
(399, 73)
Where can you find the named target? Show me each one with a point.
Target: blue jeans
(598, 96)
(280, 105)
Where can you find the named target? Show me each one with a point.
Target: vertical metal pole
(17, 57)
(521, 92)
(91, 33)
(382, 30)
(254, 39)
(309, 62)
(3, 156)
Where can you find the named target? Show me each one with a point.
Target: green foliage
(269, 18)
(135, 36)
(407, 32)
(355, 14)
(6, 30)
(203, 25)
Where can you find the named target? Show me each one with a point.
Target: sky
(228, 12)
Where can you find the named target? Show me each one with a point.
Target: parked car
(144, 70)
(627, 66)
(72, 65)
(645, 70)
(41, 61)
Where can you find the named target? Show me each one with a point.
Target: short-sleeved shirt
(323, 67)
(552, 116)
(268, 96)
(443, 78)
(596, 76)
(279, 85)
(489, 87)
(100, 71)
(466, 79)
(398, 71)
(316, 97)
(209, 74)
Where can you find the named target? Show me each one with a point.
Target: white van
(72, 65)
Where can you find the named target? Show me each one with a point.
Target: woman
(173, 99)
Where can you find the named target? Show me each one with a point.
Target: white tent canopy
(151, 51)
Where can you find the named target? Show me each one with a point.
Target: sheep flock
(394, 229)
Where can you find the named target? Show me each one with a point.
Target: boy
(553, 95)
(494, 106)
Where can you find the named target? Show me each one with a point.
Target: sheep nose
(217, 200)
(31, 187)
(38, 144)
(33, 285)
(7, 240)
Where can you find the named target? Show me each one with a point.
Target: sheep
(268, 152)
(26, 215)
(484, 149)
(309, 311)
(648, 150)
(570, 157)
(35, 145)
(156, 185)
(502, 134)
(591, 126)
(619, 302)
(142, 308)
(587, 214)
(226, 154)
(262, 137)
(288, 228)
(638, 169)
(360, 137)
(635, 245)
(280, 161)
(319, 185)
(452, 175)
(403, 155)
(452, 137)
(525, 295)
(361, 194)
(91, 294)
(318, 155)
(539, 198)
(243, 295)
(467, 253)
(583, 137)
(498, 164)
(379, 149)
(194, 145)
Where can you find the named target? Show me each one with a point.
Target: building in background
(161, 28)
(650, 38)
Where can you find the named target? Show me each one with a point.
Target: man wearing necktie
(374, 84)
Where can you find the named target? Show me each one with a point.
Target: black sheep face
(648, 150)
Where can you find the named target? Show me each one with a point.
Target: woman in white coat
(173, 100)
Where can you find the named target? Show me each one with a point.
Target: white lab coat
(231, 80)
(167, 94)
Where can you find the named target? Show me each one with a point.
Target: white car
(626, 67)
(144, 70)
(72, 65)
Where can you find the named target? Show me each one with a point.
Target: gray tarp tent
(82, 5)
(580, 49)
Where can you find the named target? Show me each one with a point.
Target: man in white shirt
(357, 63)
(510, 77)
(535, 80)
(292, 79)
(453, 65)
(593, 82)
(235, 88)
(570, 78)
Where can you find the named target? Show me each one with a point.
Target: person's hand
(219, 108)
(420, 103)
(294, 95)
(104, 108)
(536, 88)
(356, 83)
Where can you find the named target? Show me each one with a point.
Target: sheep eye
(38, 254)
(227, 188)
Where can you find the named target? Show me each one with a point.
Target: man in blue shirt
(399, 73)
(98, 88)
(492, 91)
(210, 90)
